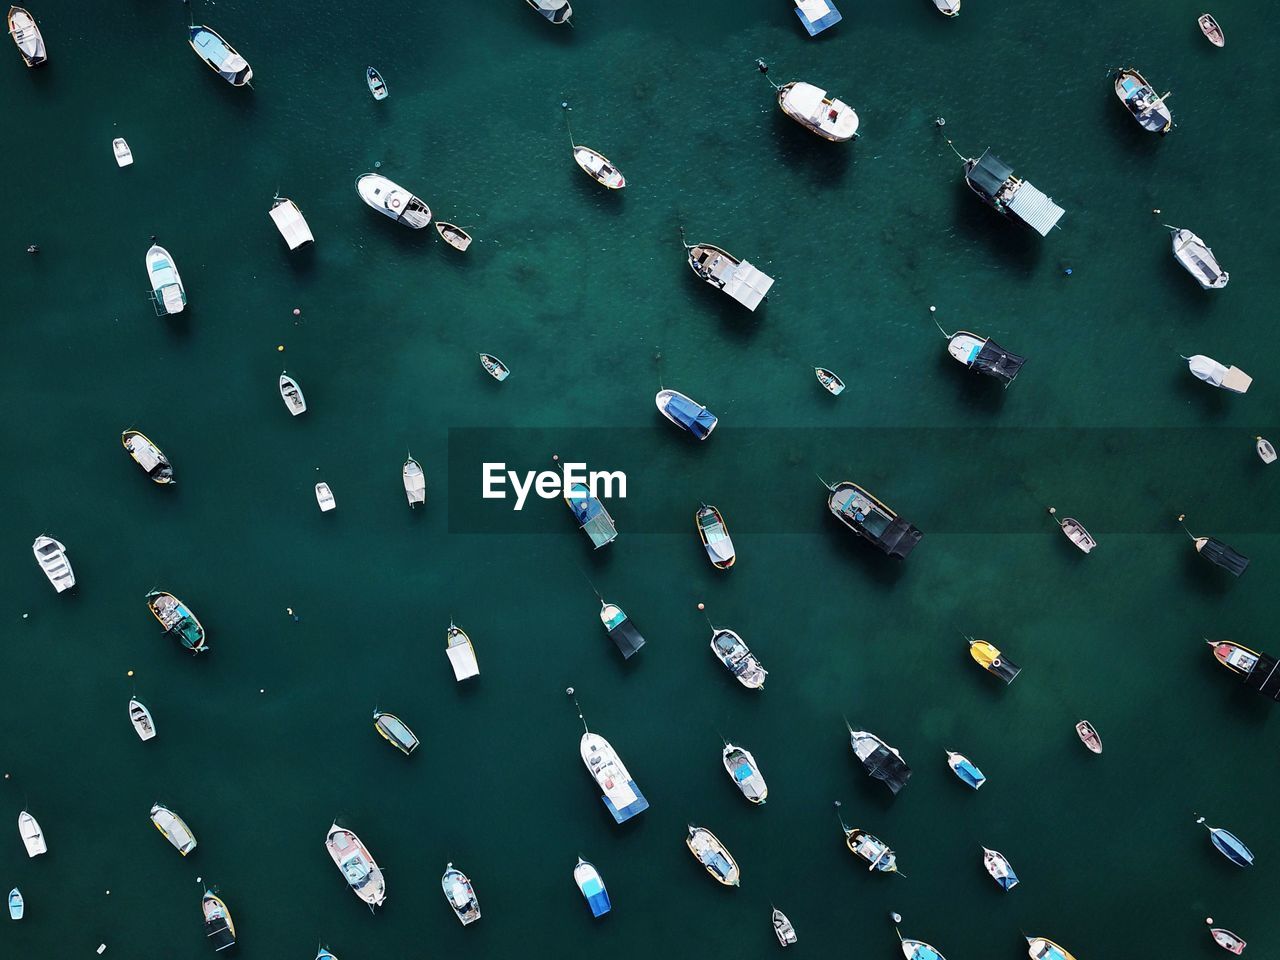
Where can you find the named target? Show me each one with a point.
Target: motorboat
(1197, 259)
(983, 355)
(992, 660)
(1266, 451)
(810, 107)
(323, 953)
(713, 855)
(220, 56)
(143, 725)
(1234, 656)
(31, 834)
(177, 619)
(556, 11)
(324, 497)
(737, 278)
(1226, 842)
(1227, 940)
(830, 382)
(377, 86)
(1001, 870)
(148, 456)
(1089, 736)
(290, 222)
(817, 15)
(1074, 531)
(874, 851)
(715, 537)
(620, 793)
(948, 8)
(992, 179)
(1218, 553)
(881, 761)
(395, 731)
(460, 895)
(1219, 375)
(870, 519)
(782, 928)
(357, 865)
(685, 413)
(918, 949)
(453, 235)
(167, 291)
(732, 651)
(27, 37)
(123, 155)
(621, 630)
(494, 367)
(219, 928)
(17, 906)
(1042, 948)
(1209, 27)
(593, 519)
(291, 394)
(745, 773)
(965, 769)
(394, 201)
(415, 482)
(1140, 99)
(52, 557)
(589, 882)
(173, 828)
(462, 655)
(598, 167)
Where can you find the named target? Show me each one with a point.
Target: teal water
(581, 292)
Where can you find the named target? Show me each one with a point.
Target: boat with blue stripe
(587, 877)
(1000, 868)
(1229, 845)
(965, 769)
(221, 57)
(621, 795)
(919, 950)
(817, 15)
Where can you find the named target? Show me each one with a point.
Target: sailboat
(1000, 869)
(462, 655)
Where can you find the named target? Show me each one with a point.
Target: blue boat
(964, 768)
(1000, 868)
(220, 56)
(1229, 845)
(919, 950)
(685, 413)
(817, 15)
(324, 954)
(16, 905)
(587, 877)
(593, 518)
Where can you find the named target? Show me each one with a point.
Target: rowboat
(357, 865)
(992, 660)
(219, 928)
(31, 834)
(1042, 948)
(948, 8)
(288, 218)
(453, 235)
(619, 792)
(1089, 736)
(830, 382)
(810, 107)
(1074, 531)
(124, 156)
(219, 55)
(881, 761)
(173, 828)
(870, 519)
(167, 292)
(140, 717)
(737, 278)
(52, 557)
(1227, 940)
(27, 37)
(965, 769)
(16, 904)
(1000, 869)
(593, 519)
(1216, 374)
(395, 731)
(874, 851)
(415, 482)
(460, 895)
(377, 86)
(1218, 553)
(715, 536)
(291, 394)
(494, 367)
(685, 413)
(1140, 99)
(745, 773)
(177, 620)
(621, 630)
(1197, 259)
(1228, 844)
(733, 652)
(324, 497)
(1265, 450)
(592, 887)
(782, 928)
(394, 201)
(1209, 27)
(462, 655)
(598, 167)
(918, 949)
(713, 855)
(148, 456)
(556, 11)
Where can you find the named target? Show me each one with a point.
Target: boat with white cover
(148, 456)
(325, 498)
(810, 107)
(31, 834)
(556, 11)
(219, 55)
(143, 725)
(732, 651)
(738, 278)
(1218, 375)
(817, 15)
(415, 482)
(52, 557)
(290, 222)
(173, 828)
(394, 201)
(462, 655)
(1266, 450)
(992, 179)
(123, 155)
(27, 37)
(460, 894)
(291, 394)
(745, 773)
(713, 855)
(1197, 259)
(621, 795)
(167, 291)
(598, 167)
(357, 865)
(714, 533)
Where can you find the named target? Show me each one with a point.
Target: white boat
(830, 382)
(783, 929)
(462, 655)
(358, 867)
(810, 107)
(52, 557)
(738, 278)
(997, 864)
(598, 167)
(621, 794)
(290, 222)
(460, 894)
(1265, 450)
(324, 497)
(494, 367)
(166, 285)
(26, 35)
(453, 235)
(713, 855)
(557, 11)
(1209, 27)
(394, 201)
(32, 835)
(17, 906)
(377, 86)
(745, 772)
(415, 482)
(948, 8)
(148, 456)
(1074, 531)
(291, 394)
(1218, 375)
(140, 717)
(219, 56)
(124, 156)
(173, 828)
(732, 651)
(1197, 259)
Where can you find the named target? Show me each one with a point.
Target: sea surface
(585, 294)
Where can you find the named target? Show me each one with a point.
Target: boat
(357, 865)
(52, 557)
(462, 655)
(810, 107)
(685, 413)
(219, 928)
(1209, 27)
(965, 769)
(620, 793)
(377, 86)
(124, 156)
(713, 855)
(557, 11)
(881, 761)
(394, 201)
(745, 772)
(220, 56)
(732, 651)
(830, 382)
(715, 537)
(1042, 948)
(1074, 531)
(1218, 553)
(817, 15)
(1140, 99)
(494, 367)
(738, 278)
(291, 394)
(1258, 671)
(598, 167)
(589, 882)
(177, 620)
(992, 179)
(143, 725)
(1001, 870)
(26, 35)
(148, 456)
(621, 630)
(31, 834)
(395, 731)
(948, 8)
(918, 949)
(167, 291)
(1229, 845)
(453, 235)
(870, 519)
(593, 519)
(1219, 375)
(874, 851)
(290, 222)
(323, 953)
(983, 355)
(1265, 450)
(782, 928)
(460, 894)
(324, 497)
(992, 660)
(415, 482)
(1197, 259)
(173, 828)
(1089, 736)
(1227, 940)
(17, 906)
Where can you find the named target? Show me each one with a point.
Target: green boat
(177, 620)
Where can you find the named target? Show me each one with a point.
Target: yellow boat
(991, 660)
(1042, 948)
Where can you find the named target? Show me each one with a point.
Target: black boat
(992, 179)
(621, 630)
(218, 926)
(984, 355)
(881, 761)
(1218, 553)
(1258, 671)
(869, 518)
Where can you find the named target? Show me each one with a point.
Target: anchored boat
(415, 482)
(621, 630)
(983, 355)
(177, 619)
(782, 928)
(357, 865)
(395, 731)
(1258, 671)
(965, 769)
(290, 222)
(453, 235)
(1227, 940)
(1197, 259)
(494, 367)
(593, 519)
(948, 8)
(1266, 451)
(1209, 27)
(27, 37)
(739, 279)
(817, 15)
(715, 537)
(745, 773)
(1229, 845)
(992, 660)
(733, 652)
(31, 834)
(462, 655)
(291, 394)
(1089, 736)
(685, 413)
(713, 855)
(557, 11)
(1074, 531)
(17, 906)
(872, 520)
(377, 86)
(394, 201)
(140, 717)
(918, 949)
(1001, 870)
(167, 291)
(324, 497)
(881, 761)
(173, 828)
(598, 167)
(1218, 553)
(620, 793)
(1042, 948)
(220, 56)
(1216, 374)
(460, 895)
(123, 155)
(875, 852)
(1140, 99)
(992, 179)
(810, 107)
(52, 557)
(830, 382)
(589, 882)
(219, 928)
(148, 456)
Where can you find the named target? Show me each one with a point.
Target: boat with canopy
(1229, 845)
(737, 278)
(219, 928)
(965, 769)
(220, 56)
(593, 519)
(140, 717)
(685, 413)
(745, 773)
(462, 655)
(148, 456)
(992, 660)
(290, 222)
(167, 292)
(713, 855)
(1217, 552)
(809, 106)
(460, 895)
(356, 863)
(997, 864)
(881, 761)
(395, 731)
(394, 201)
(1258, 671)
(52, 557)
(1140, 99)
(591, 886)
(621, 630)
(620, 793)
(173, 828)
(27, 37)
(817, 15)
(870, 519)
(177, 619)
(732, 651)
(992, 179)
(715, 537)
(1197, 259)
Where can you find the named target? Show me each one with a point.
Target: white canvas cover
(1218, 375)
(144, 453)
(1035, 209)
(806, 100)
(748, 285)
(462, 657)
(813, 9)
(291, 224)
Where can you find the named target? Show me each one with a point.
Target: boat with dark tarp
(219, 928)
(983, 355)
(881, 761)
(1258, 671)
(621, 630)
(992, 660)
(593, 519)
(872, 520)
(1218, 553)
(992, 179)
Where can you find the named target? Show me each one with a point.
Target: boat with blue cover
(221, 57)
(817, 15)
(1042, 948)
(919, 950)
(965, 769)
(872, 520)
(745, 772)
(593, 519)
(1229, 845)
(713, 855)
(1000, 868)
(685, 413)
(588, 879)
(177, 619)
(621, 795)
(17, 906)
(323, 953)
(1140, 99)
(621, 630)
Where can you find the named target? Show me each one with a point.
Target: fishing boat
(52, 557)
(593, 519)
(143, 725)
(17, 906)
(992, 660)
(685, 413)
(324, 497)
(870, 519)
(782, 928)
(220, 56)
(395, 731)
(177, 620)
(598, 167)
(219, 928)
(1209, 27)
(1089, 736)
(462, 655)
(1140, 99)
(992, 179)
(1074, 531)
(621, 630)
(1218, 553)
(415, 482)
(732, 651)
(1265, 450)
(27, 37)
(494, 367)
(619, 792)
(830, 382)
(817, 15)
(1042, 948)
(592, 887)
(460, 895)
(737, 278)
(965, 769)
(357, 865)
(394, 201)
(715, 536)
(290, 222)
(948, 8)
(918, 949)
(1001, 870)
(1197, 259)
(148, 456)
(124, 156)
(173, 828)
(291, 394)
(377, 86)
(875, 852)
(1229, 845)
(31, 834)
(1234, 656)
(167, 292)
(1219, 375)
(453, 235)
(810, 107)
(557, 11)
(745, 773)
(1227, 940)
(881, 761)
(983, 355)
(713, 855)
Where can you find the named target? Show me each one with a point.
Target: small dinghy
(1042, 948)
(359, 869)
(1228, 844)
(965, 769)
(1197, 259)
(685, 413)
(52, 557)
(1265, 450)
(291, 394)
(173, 828)
(26, 35)
(31, 834)
(745, 772)
(830, 382)
(992, 660)
(737, 278)
(1216, 552)
(288, 218)
(453, 235)
(124, 156)
(715, 537)
(462, 655)
(782, 928)
(395, 731)
(1074, 531)
(556, 11)
(140, 717)
(880, 761)
(1089, 736)
(818, 113)
(17, 905)
(177, 620)
(598, 167)
(148, 456)
(1140, 99)
(621, 630)
(377, 86)
(1209, 27)
(592, 887)
(462, 898)
(948, 8)
(394, 201)
(219, 928)
(1001, 870)
(1217, 374)
(732, 651)
(713, 855)
(494, 367)
(220, 56)
(324, 497)
(415, 482)
(1227, 940)
(167, 292)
